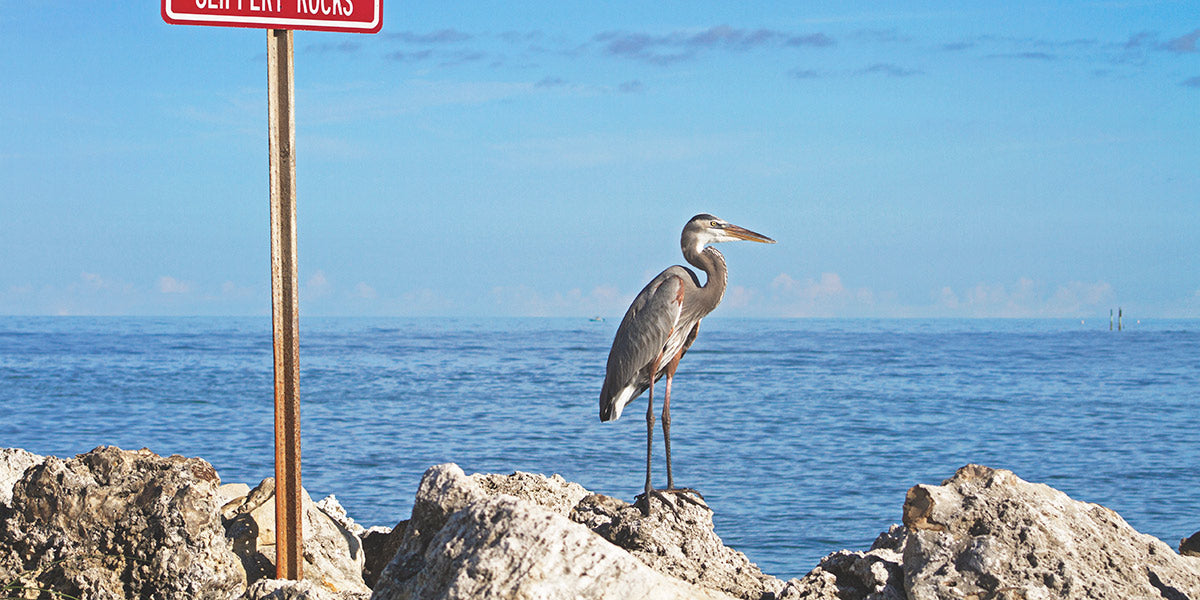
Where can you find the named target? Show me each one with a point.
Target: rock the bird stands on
(280, 17)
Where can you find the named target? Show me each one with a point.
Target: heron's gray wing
(644, 331)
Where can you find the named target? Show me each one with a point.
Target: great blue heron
(661, 325)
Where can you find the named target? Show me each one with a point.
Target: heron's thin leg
(666, 419)
(649, 440)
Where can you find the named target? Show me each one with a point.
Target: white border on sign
(268, 21)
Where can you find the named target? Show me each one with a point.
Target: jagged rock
(678, 540)
(554, 492)
(283, 589)
(873, 575)
(463, 543)
(819, 584)
(985, 533)
(229, 497)
(113, 524)
(330, 506)
(379, 546)
(13, 464)
(444, 490)
(1190, 546)
(333, 555)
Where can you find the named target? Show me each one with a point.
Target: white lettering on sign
(324, 7)
(267, 5)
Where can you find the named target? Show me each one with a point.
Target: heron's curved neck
(712, 262)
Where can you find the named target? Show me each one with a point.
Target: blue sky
(1016, 159)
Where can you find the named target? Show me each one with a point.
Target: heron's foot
(642, 501)
(682, 491)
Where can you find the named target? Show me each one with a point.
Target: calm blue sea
(803, 434)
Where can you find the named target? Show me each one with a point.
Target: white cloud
(1077, 297)
(1025, 299)
(998, 300)
(89, 294)
(318, 285)
(947, 298)
(91, 284)
(232, 291)
(829, 285)
(92, 280)
(170, 285)
(826, 296)
(425, 301)
(522, 300)
(362, 290)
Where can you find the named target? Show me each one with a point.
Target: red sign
(358, 16)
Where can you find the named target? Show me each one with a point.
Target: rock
(504, 547)
(330, 506)
(13, 464)
(284, 589)
(462, 542)
(678, 540)
(873, 575)
(1190, 546)
(819, 584)
(229, 497)
(380, 544)
(985, 533)
(333, 555)
(554, 492)
(444, 490)
(113, 524)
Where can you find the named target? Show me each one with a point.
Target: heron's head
(705, 229)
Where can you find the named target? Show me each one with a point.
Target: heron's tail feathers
(611, 404)
(609, 411)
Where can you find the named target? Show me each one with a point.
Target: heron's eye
(715, 224)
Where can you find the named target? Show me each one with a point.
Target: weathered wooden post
(285, 322)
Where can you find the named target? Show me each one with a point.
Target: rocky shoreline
(112, 524)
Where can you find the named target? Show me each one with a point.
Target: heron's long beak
(742, 233)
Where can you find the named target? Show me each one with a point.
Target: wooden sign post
(281, 119)
(365, 16)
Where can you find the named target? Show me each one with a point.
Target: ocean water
(803, 434)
